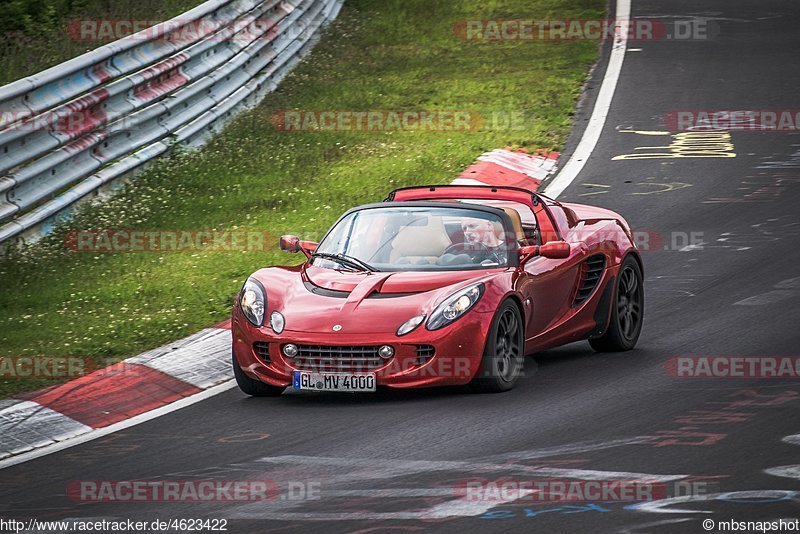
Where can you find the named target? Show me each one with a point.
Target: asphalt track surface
(576, 413)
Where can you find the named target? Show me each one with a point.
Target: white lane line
(794, 439)
(383, 468)
(601, 107)
(116, 427)
(356, 470)
(571, 448)
(332, 516)
(468, 508)
(785, 471)
(770, 297)
(452, 508)
(661, 506)
(391, 493)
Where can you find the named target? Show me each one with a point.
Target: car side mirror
(292, 243)
(554, 250)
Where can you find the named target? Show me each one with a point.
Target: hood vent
(326, 292)
(377, 295)
(591, 272)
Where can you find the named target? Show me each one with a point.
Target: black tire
(627, 310)
(504, 354)
(254, 388)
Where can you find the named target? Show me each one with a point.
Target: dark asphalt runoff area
(723, 279)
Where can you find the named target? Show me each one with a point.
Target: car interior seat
(420, 243)
(516, 222)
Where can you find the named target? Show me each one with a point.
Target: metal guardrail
(76, 127)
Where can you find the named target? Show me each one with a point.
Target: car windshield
(416, 239)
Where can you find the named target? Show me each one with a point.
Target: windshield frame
(508, 229)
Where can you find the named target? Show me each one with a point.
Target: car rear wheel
(504, 353)
(627, 311)
(253, 387)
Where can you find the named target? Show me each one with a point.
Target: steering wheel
(471, 249)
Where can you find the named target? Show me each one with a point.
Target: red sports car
(438, 285)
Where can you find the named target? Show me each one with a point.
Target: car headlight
(410, 325)
(277, 322)
(253, 301)
(455, 306)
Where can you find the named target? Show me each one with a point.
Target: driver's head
(480, 231)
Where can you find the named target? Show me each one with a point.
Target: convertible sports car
(438, 285)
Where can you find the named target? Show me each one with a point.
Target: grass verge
(379, 54)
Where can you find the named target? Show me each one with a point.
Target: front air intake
(336, 359)
(261, 348)
(424, 353)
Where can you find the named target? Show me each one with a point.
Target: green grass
(379, 54)
(34, 33)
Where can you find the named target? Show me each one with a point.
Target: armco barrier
(74, 128)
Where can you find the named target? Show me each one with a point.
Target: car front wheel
(253, 387)
(504, 353)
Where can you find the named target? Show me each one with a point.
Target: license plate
(333, 381)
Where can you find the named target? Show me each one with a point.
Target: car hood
(314, 299)
(388, 282)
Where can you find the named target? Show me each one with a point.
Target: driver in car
(482, 244)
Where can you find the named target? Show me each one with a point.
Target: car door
(548, 285)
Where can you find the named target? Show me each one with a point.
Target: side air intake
(591, 272)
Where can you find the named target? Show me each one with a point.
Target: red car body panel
(368, 307)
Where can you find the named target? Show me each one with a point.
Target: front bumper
(458, 350)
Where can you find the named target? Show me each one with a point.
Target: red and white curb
(180, 373)
(510, 168)
(111, 396)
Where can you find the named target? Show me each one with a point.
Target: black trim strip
(325, 292)
(602, 314)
